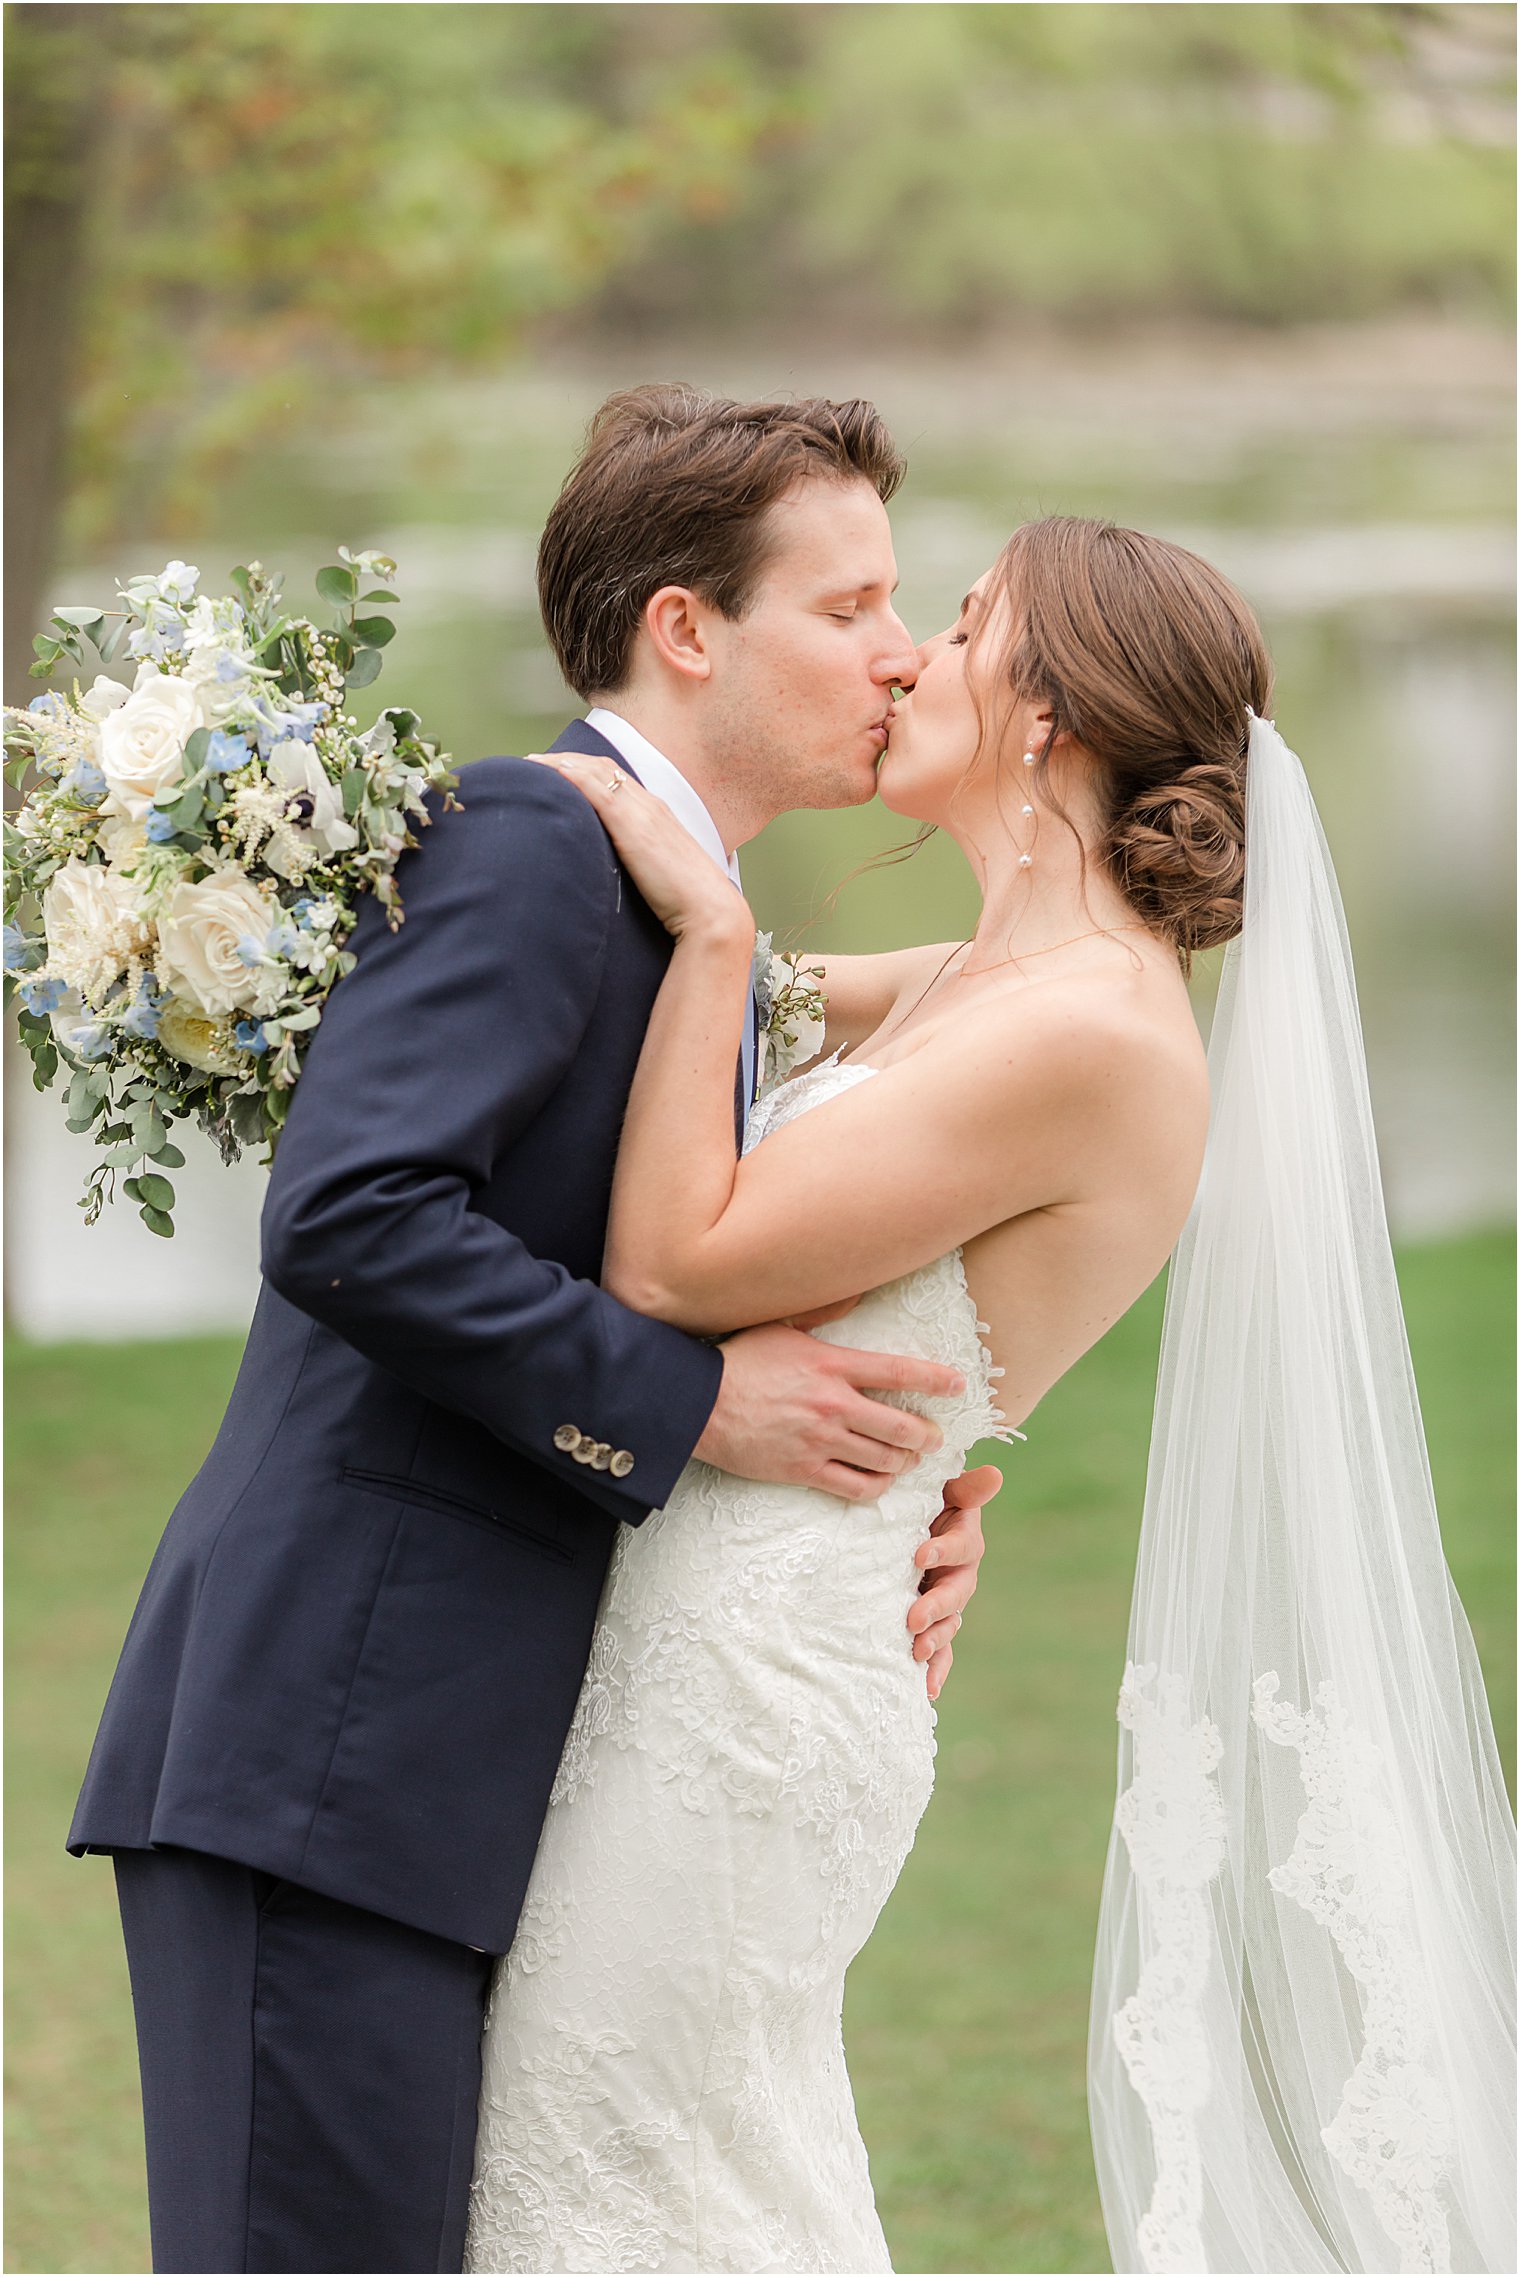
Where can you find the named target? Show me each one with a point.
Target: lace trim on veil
(1392, 2133)
(1173, 1825)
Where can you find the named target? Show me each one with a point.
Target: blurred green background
(284, 276)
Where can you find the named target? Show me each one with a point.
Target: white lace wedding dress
(664, 2083)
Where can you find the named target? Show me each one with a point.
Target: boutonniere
(792, 1011)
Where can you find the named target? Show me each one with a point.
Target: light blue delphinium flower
(84, 782)
(43, 996)
(150, 641)
(50, 706)
(142, 1018)
(275, 722)
(92, 1041)
(249, 1036)
(20, 950)
(224, 752)
(161, 827)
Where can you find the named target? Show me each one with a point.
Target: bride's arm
(962, 1135)
(860, 991)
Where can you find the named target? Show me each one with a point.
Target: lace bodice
(664, 2083)
(929, 1312)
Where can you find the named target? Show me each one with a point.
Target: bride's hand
(682, 884)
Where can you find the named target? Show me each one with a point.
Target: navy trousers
(309, 2072)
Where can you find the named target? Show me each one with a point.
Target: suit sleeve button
(567, 1438)
(621, 1463)
(602, 1459)
(584, 1448)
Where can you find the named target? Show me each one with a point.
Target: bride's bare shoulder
(1116, 1051)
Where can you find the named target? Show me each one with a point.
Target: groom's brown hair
(673, 488)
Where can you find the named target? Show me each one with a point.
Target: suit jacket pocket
(392, 1487)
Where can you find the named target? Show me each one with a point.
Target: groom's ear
(677, 622)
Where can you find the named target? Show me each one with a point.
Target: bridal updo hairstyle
(672, 488)
(1149, 658)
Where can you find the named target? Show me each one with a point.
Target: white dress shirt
(665, 779)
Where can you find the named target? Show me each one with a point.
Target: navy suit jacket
(357, 1650)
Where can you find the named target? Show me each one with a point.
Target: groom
(327, 1752)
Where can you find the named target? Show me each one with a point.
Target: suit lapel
(580, 736)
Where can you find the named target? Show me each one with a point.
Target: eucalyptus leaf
(354, 785)
(365, 667)
(83, 618)
(169, 1156)
(393, 598)
(157, 1221)
(337, 585)
(148, 1129)
(158, 1191)
(185, 812)
(197, 747)
(374, 632)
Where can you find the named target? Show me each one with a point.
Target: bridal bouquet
(187, 864)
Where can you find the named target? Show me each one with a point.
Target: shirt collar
(665, 779)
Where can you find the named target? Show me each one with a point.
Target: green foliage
(291, 197)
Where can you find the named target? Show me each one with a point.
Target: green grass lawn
(967, 2014)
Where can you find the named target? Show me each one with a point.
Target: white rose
(199, 929)
(104, 697)
(199, 1042)
(295, 767)
(93, 925)
(142, 742)
(121, 840)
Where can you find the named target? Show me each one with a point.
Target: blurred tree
(53, 138)
(271, 203)
(289, 196)
(970, 167)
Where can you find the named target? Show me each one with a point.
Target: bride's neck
(1048, 901)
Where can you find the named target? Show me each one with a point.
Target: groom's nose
(899, 667)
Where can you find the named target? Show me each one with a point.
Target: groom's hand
(950, 1561)
(793, 1411)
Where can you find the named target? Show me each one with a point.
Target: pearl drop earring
(1025, 861)
(1026, 810)
(1029, 758)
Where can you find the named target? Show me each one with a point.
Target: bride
(996, 1156)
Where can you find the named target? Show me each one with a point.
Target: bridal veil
(1302, 2049)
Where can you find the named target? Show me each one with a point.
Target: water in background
(1356, 485)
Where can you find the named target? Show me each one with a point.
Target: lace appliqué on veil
(1173, 1825)
(1392, 2133)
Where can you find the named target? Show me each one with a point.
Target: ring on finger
(616, 783)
